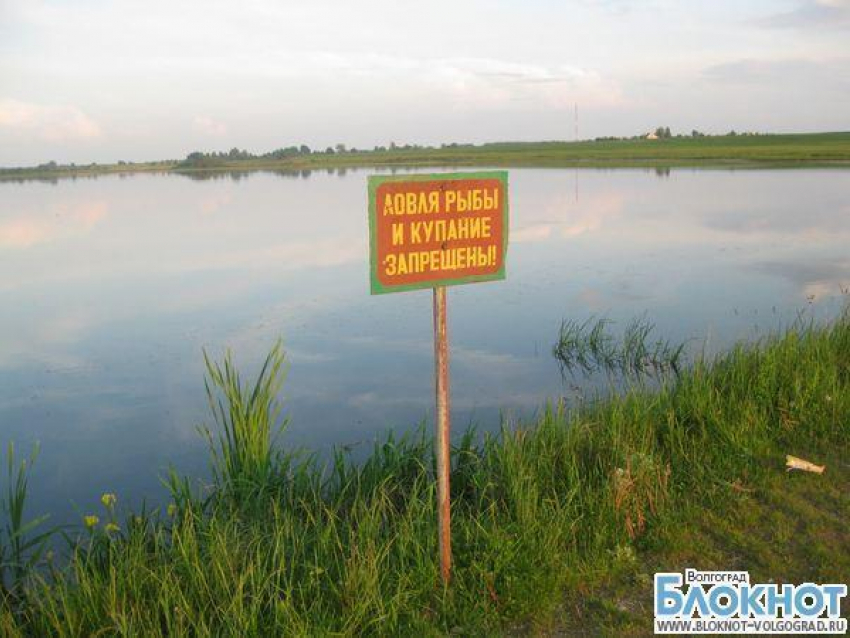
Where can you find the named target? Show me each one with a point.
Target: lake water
(111, 287)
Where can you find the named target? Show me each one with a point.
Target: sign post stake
(433, 231)
(443, 426)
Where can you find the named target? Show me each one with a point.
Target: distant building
(651, 136)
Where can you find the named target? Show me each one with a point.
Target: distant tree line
(200, 159)
(664, 133)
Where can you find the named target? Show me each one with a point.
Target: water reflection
(816, 280)
(240, 175)
(110, 288)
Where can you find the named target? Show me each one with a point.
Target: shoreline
(821, 150)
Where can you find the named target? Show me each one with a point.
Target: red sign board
(437, 230)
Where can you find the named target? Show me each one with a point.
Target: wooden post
(443, 426)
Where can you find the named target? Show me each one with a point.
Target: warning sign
(437, 230)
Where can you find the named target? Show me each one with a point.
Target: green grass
(558, 523)
(806, 149)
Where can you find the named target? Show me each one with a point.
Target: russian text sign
(437, 230)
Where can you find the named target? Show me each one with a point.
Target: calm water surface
(111, 287)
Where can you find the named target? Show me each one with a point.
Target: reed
(589, 347)
(248, 420)
(22, 543)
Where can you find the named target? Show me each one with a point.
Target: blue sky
(92, 80)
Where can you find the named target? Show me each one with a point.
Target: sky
(98, 80)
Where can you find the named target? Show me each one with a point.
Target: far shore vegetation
(660, 149)
(559, 522)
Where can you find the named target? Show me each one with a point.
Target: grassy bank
(814, 149)
(557, 524)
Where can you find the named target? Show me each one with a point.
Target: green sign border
(376, 180)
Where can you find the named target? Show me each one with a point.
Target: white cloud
(466, 83)
(771, 72)
(50, 123)
(816, 14)
(459, 82)
(488, 83)
(208, 126)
